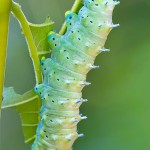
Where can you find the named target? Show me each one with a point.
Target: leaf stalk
(18, 13)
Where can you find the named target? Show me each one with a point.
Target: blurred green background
(119, 98)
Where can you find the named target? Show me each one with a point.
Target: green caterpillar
(64, 74)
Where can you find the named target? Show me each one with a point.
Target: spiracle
(64, 74)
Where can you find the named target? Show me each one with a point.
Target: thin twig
(5, 6)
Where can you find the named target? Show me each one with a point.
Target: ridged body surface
(64, 74)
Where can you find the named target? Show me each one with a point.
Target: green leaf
(40, 32)
(28, 106)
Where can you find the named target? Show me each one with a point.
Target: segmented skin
(64, 74)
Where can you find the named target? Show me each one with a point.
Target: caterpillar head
(54, 40)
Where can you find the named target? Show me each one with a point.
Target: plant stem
(74, 9)
(16, 10)
(5, 6)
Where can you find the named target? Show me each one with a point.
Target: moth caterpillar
(64, 74)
